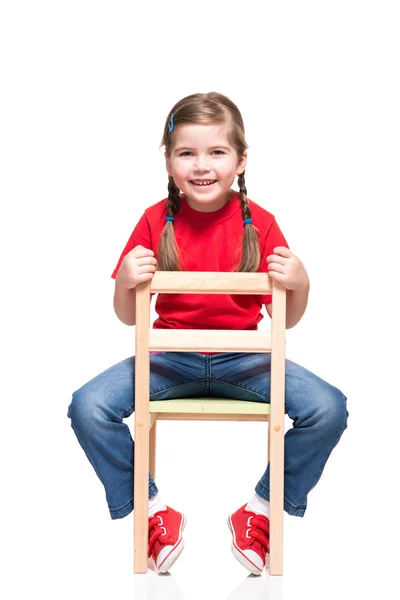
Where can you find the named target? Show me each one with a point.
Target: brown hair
(207, 108)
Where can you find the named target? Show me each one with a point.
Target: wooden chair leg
(276, 502)
(276, 428)
(142, 434)
(153, 440)
(141, 491)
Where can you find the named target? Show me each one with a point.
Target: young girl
(204, 225)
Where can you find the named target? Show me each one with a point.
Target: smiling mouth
(203, 183)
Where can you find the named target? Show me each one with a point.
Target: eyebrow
(221, 146)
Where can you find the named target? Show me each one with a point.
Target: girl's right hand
(137, 266)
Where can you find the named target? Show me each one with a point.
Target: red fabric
(207, 242)
(250, 531)
(165, 529)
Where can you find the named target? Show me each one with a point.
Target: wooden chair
(203, 409)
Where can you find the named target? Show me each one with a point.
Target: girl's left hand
(287, 269)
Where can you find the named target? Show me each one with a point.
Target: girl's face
(204, 163)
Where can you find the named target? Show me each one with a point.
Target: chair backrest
(193, 340)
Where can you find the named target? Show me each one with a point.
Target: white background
(86, 87)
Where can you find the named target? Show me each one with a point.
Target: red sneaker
(165, 537)
(250, 539)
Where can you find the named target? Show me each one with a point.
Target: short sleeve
(141, 236)
(273, 239)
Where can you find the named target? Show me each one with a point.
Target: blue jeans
(97, 410)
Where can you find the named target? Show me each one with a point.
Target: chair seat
(216, 406)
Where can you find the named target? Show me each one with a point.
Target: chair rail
(198, 282)
(210, 340)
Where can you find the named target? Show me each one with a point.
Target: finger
(277, 276)
(276, 258)
(142, 251)
(144, 277)
(146, 269)
(276, 267)
(146, 260)
(282, 251)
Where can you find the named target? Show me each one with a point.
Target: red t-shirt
(207, 241)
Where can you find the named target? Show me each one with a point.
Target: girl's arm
(137, 266)
(125, 304)
(287, 269)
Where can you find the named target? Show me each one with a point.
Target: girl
(204, 225)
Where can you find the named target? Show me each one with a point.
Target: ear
(167, 164)
(242, 163)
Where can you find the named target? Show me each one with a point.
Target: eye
(218, 152)
(186, 153)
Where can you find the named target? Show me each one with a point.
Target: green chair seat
(209, 406)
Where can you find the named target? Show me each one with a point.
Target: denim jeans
(317, 409)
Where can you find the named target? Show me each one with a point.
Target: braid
(243, 197)
(167, 259)
(174, 200)
(250, 246)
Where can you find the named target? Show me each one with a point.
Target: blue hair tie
(169, 219)
(171, 122)
(247, 221)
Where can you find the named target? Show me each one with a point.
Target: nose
(202, 163)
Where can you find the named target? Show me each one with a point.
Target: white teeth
(203, 183)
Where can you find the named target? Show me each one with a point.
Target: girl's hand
(137, 266)
(287, 269)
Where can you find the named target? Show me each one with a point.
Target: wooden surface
(178, 282)
(142, 424)
(210, 340)
(276, 428)
(210, 405)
